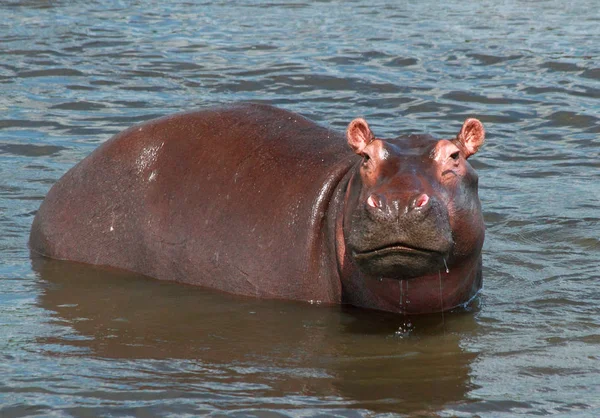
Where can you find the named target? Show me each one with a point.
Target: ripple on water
(79, 342)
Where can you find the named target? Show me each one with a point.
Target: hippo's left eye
(455, 155)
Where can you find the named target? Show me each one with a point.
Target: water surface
(79, 341)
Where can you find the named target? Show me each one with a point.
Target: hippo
(258, 201)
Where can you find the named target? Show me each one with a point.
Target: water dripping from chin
(406, 328)
(403, 293)
(441, 297)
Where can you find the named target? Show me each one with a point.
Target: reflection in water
(261, 352)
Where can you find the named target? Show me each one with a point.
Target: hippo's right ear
(359, 135)
(471, 136)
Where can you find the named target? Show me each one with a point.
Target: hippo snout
(378, 203)
(403, 237)
(411, 217)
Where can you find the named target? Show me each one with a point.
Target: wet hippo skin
(254, 200)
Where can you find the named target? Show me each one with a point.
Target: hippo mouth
(400, 261)
(396, 248)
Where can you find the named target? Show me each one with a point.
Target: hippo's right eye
(455, 155)
(366, 158)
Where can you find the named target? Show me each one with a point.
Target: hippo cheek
(469, 233)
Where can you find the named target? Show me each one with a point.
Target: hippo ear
(471, 136)
(359, 135)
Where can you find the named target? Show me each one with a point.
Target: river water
(79, 341)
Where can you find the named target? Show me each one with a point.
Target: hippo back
(233, 198)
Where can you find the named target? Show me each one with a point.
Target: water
(77, 341)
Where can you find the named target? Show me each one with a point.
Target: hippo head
(412, 207)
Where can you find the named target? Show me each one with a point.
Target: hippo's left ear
(359, 135)
(471, 136)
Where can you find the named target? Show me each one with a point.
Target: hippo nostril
(371, 202)
(375, 201)
(421, 201)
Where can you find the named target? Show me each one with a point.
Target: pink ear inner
(359, 135)
(471, 136)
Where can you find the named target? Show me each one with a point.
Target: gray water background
(77, 341)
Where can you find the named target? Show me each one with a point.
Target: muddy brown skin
(258, 201)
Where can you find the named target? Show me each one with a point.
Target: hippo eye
(455, 155)
(366, 158)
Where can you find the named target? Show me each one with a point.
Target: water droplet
(447, 269)
(405, 329)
